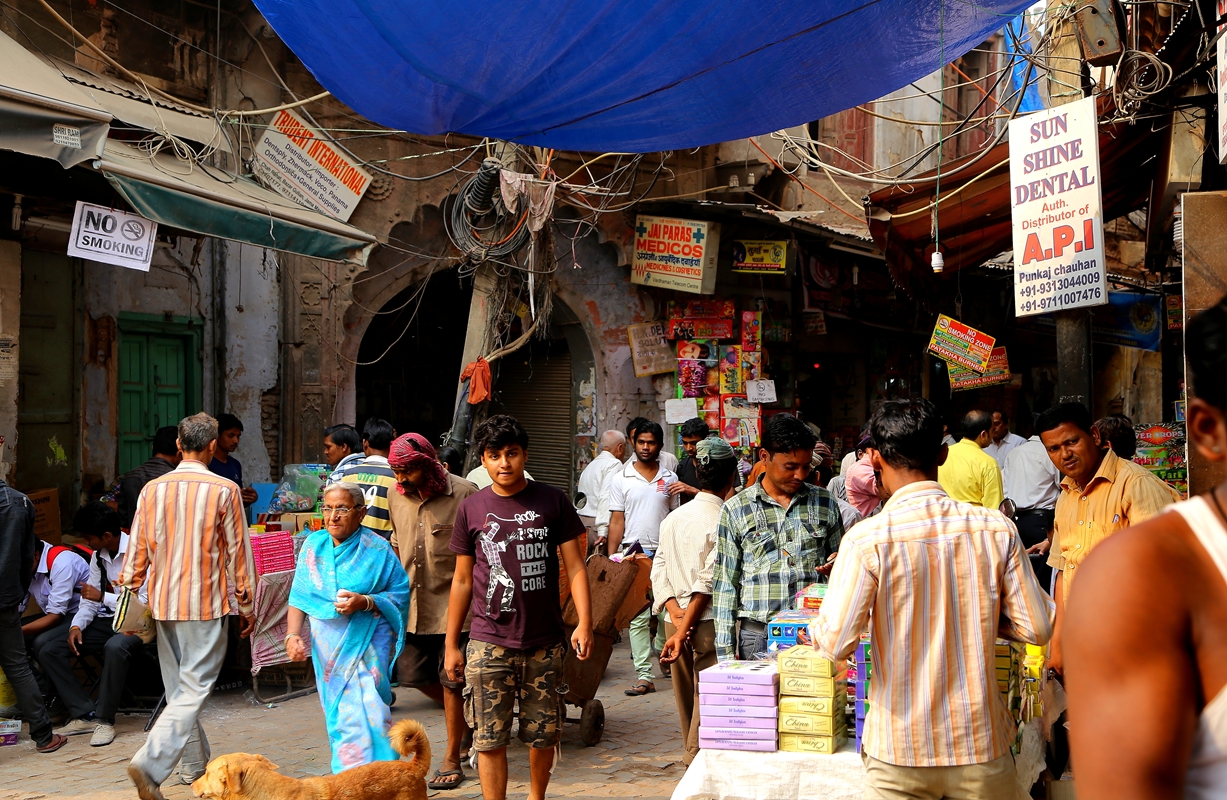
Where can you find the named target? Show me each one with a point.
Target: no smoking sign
(112, 237)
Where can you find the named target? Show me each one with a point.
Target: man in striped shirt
(373, 474)
(938, 581)
(189, 538)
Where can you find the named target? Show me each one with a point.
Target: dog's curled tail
(408, 738)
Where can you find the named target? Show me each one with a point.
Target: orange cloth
(478, 376)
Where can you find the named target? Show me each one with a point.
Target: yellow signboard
(768, 257)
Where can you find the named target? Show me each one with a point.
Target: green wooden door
(154, 382)
(48, 449)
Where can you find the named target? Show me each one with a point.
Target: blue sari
(353, 654)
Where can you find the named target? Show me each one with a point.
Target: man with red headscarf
(423, 510)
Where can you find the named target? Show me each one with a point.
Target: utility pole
(1064, 85)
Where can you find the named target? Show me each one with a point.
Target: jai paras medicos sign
(1057, 210)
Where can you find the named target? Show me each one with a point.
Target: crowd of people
(424, 578)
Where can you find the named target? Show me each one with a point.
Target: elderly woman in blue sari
(356, 593)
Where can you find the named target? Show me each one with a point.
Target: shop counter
(738, 775)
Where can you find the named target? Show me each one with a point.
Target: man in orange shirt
(188, 536)
(1101, 494)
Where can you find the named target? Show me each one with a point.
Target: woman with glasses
(352, 586)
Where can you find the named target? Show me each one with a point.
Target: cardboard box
(803, 743)
(826, 706)
(762, 745)
(803, 659)
(813, 724)
(810, 686)
(768, 723)
(10, 729)
(46, 514)
(706, 711)
(733, 700)
(739, 733)
(760, 672)
(763, 689)
(786, 628)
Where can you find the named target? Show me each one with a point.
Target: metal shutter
(534, 386)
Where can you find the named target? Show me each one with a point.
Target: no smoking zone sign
(112, 237)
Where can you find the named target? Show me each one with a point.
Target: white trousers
(190, 654)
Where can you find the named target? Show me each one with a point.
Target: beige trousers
(993, 780)
(697, 656)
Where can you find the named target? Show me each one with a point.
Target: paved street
(640, 755)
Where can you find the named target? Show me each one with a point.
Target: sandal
(640, 689)
(437, 781)
(57, 741)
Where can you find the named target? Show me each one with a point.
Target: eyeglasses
(340, 511)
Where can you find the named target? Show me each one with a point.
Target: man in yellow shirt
(969, 474)
(1100, 494)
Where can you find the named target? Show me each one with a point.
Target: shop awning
(202, 199)
(975, 222)
(41, 114)
(138, 108)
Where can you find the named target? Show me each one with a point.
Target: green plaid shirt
(765, 554)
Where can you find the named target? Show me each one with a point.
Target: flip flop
(436, 783)
(57, 741)
(640, 689)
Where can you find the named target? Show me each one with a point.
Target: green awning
(203, 199)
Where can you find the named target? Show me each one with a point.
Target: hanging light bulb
(939, 263)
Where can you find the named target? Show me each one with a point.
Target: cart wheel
(592, 722)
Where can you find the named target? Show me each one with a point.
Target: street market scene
(667, 400)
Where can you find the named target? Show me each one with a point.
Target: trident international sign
(1057, 210)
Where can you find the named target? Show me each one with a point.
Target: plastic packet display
(299, 489)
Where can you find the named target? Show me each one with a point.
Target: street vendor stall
(773, 776)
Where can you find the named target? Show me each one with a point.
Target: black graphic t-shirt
(515, 543)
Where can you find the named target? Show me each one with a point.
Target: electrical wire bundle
(479, 224)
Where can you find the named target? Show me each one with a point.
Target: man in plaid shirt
(776, 537)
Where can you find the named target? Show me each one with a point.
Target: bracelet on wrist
(290, 636)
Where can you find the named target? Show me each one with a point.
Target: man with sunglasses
(423, 510)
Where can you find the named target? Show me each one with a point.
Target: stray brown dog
(243, 776)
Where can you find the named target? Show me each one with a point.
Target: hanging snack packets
(731, 380)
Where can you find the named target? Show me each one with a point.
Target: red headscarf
(413, 451)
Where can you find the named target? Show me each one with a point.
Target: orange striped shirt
(190, 539)
(937, 581)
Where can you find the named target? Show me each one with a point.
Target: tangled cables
(479, 224)
(1140, 76)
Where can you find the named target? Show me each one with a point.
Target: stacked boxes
(272, 552)
(810, 598)
(738, 708)
(813, 697)
(788, 628)
(858, 686)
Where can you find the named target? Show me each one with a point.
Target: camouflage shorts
(497, 677)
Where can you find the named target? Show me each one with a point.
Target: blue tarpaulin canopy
(622, 75)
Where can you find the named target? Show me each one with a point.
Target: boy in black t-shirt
(507, 538)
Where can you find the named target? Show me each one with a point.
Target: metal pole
(1064, 85)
